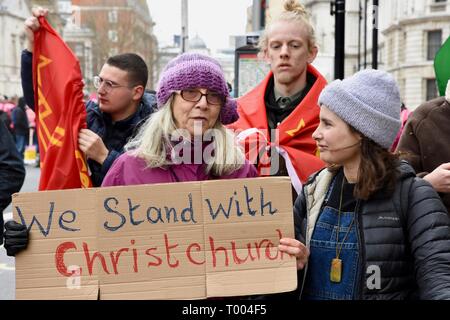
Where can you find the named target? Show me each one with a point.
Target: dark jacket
(6, 119)
(406, 233)
(12, 171)
(425, 139)
(114, 135)
(20, 121)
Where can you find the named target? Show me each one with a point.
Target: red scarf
(294, 141)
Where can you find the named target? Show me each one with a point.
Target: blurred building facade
(117, 26)
(94, 29)
(410, 33)
(12, 38)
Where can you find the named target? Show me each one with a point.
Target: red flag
(60, 111)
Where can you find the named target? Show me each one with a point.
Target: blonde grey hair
(153, 144)
(293, 12)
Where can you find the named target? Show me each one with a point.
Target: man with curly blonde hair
(278, 117)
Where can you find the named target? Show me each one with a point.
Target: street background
(7, 264)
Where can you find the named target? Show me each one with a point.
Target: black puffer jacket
(12, 171)
(405, 233)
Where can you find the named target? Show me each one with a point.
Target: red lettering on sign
(168, 247)
(59, 258)
(153, 264)
(90, 261)
(214, 250)
(188, 254)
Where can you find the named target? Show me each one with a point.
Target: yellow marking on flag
(46, 111)
(84, 174)
(55, 141)
(301, 125)
(43, 62)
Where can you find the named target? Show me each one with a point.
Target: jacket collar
(145, 108)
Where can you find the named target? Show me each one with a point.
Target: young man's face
(288, 53)
(116, 95)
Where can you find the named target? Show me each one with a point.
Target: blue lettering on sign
(110, 210)
(61, 220)
(131, 208)
(269, 204)
(216, 210)
(67, 217)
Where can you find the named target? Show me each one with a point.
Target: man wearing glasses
(122, 103)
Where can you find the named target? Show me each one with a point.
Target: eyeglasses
(192, 95)
(108, 85)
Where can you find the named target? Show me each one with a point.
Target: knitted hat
(369, 101)
(193, 70)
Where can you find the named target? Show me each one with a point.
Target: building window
(434, 39)
(438, 5)
(79, 49)
(112, 36)
(113, 16)
(432, 91)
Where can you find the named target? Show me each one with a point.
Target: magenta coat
(131, 170)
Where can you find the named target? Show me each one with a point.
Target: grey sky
(213, 20)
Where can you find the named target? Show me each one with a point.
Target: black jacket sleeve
(26, 74)
(428, 227)
(12, 171)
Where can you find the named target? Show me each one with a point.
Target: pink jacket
(130, 170)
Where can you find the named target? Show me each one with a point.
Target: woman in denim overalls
(366, 227)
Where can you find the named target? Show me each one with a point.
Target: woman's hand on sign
(32, 25)
(296, 249)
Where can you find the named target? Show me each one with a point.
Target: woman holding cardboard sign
(186, 139)
(374, 230)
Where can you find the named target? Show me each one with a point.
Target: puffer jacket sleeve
(428, 227)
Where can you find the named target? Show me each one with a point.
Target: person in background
(12, 172)
(33, 132)
(21, 126)
(278, 117)
(425, 144)
(404, 115)
(5, 112)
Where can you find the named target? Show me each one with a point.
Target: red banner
(60, 111)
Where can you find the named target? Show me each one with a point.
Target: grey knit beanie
(369, 101)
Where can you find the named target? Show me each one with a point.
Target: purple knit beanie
(193, 70)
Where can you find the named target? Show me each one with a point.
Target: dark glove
(16, 238)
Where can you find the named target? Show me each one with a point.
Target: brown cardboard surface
(167, 241)
(36, 274)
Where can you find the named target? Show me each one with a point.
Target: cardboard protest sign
(168, 241)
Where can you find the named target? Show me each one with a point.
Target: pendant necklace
(336, 263)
